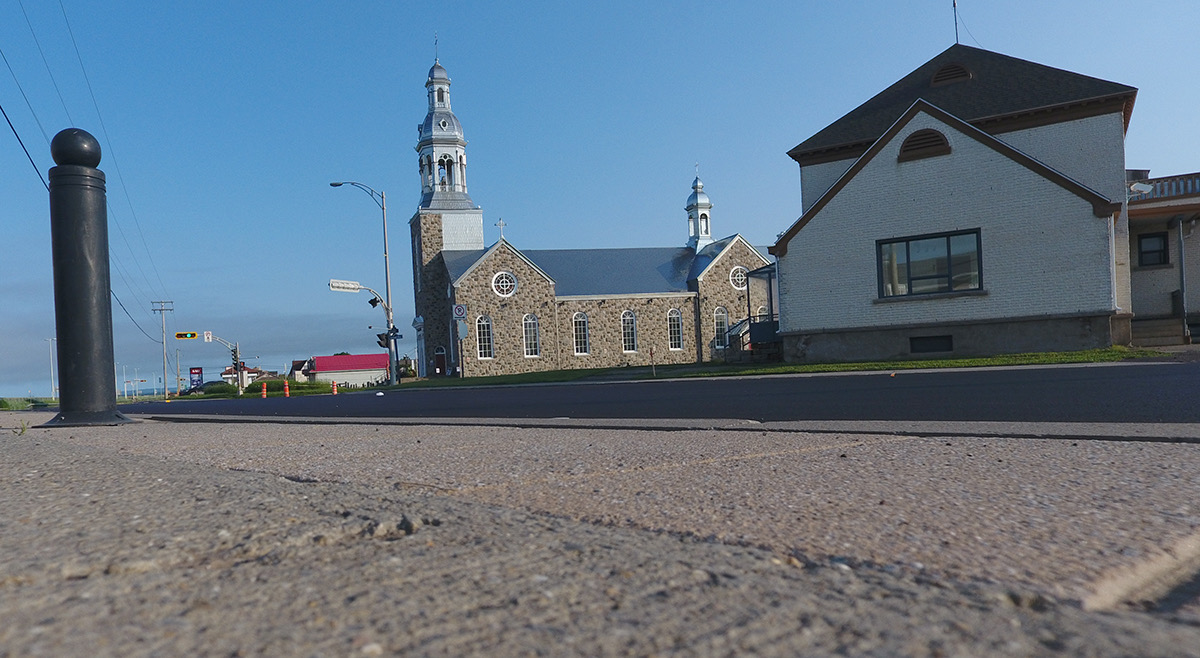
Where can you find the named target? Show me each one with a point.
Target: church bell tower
(699, 210)
(446, 220)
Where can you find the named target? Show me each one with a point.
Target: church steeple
(699, 210)
(441, 149)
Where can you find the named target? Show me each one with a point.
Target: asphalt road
(1129, 393)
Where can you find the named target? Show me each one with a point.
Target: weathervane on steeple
(435, 51)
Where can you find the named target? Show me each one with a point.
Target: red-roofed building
(348, 369)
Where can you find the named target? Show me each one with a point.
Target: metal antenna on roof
(954, 4)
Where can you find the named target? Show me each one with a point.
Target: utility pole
(162, 308)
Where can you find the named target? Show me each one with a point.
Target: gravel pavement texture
(384, 539)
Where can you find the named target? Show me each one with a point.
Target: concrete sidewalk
(398, 538)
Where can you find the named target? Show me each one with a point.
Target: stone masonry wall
(534, 294)
(715, 290)
(430, 282)
(604, 331)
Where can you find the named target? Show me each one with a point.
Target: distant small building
(348, 369)
(249, 375)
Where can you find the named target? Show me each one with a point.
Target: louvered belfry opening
(949, 74)
(925, 143)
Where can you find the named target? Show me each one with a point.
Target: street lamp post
(52, 389)
(380, 199)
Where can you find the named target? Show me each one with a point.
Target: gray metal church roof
(639, 270)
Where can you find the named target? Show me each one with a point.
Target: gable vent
(950, 74)
(923, 144)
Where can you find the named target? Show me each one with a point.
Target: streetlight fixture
(380, 199)
(387, 339)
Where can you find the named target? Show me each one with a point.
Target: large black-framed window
(930, 264)
(1152, 249)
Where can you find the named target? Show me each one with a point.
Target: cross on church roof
(501, 224)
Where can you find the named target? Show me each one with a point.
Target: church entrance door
(439, 361)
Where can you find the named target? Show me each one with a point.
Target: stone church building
(495, 310)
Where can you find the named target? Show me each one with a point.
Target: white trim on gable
(493, 249)
(735, 238)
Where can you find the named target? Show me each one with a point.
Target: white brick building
(974, 207)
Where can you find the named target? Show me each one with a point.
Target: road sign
(462, 329)
(460, 311)
(179, 335)
(208, 336)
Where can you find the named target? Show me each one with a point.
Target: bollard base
(85, 418)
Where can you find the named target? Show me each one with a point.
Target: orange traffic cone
(286, 392)
(264, 392)
(335, 388)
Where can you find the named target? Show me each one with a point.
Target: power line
(45, 63)
(27, 103)
(14, 132)
(114, 296)
(112, 151)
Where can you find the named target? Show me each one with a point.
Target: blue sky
(223, 123)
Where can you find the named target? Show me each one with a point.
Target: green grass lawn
(275, 387)
(1109, 354)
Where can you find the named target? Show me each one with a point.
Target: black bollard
(82, 308)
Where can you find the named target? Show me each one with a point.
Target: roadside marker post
(264, 391)
(286, 393)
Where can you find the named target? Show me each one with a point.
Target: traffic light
(179, 335)
(383, 340)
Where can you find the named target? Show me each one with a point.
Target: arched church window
(483, 337)
(533, 342)
(721, 326)
(579, 325)
(628, 332)
(704, 229)
(441, 95)
(675, 329)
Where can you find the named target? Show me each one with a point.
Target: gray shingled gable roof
(1102, 206)
(1000, 86)
(631, 271)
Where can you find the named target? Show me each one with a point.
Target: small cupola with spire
(699, 210)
